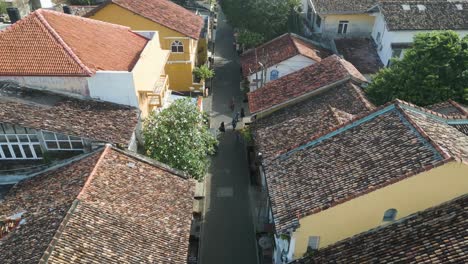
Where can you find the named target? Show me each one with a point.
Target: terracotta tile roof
(342, 6)
(329, 71)
(45, 200)
(292, 125)
(143, 203)
(449, 108)
(96, 120)
(49, 43)
(367, 153)
(437, 15)
(435, 235)
(163, 12)
(280, 49)
(361, 52)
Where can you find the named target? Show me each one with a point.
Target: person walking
(236, 117)
(232, 104)
(242, 113)
(234, 124)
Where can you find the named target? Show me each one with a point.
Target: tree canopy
(269, 18)
(433, 70)
(179, 137)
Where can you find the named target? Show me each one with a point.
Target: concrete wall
(72, 85)
(408, 196)
(387, 37)
(113, 86)
(284, 68)
(180, 74)
(359, 25)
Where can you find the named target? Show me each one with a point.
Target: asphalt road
(228, 234)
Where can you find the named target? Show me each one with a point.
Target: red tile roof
(329, 71)
(394, 142)
(163, 12)
(112, 205)
(48, 43)
(280, 49)
(361, 52)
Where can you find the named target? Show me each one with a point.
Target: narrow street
(228, 234)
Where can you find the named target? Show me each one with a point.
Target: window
(313, 243)
(343, 27)
(19, 146)
(309, 13)
(56, 141)
(390, 215)
(318, 21)
(274, 75)
(396, 53)
(177, 47)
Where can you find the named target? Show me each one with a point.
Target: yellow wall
(358, 24)
(358, 215)
(180, 75)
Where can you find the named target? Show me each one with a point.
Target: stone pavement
(228, 234)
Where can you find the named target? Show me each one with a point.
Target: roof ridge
(362, 97)
(152, 162)
(423, 133)
(458, 106)
(263, 44)
(56, 36)
(429, 111)
(382, 109)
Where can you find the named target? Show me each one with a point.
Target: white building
(397, 22)
(283, 55)
(85, 58)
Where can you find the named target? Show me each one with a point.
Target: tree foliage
(203, 72)
(3, 7)
(249, 39)
(178, 137)
(433, 70)
(269, 18)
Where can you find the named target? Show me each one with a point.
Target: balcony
(153, 97)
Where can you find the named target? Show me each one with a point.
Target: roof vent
(406, 7)
(459, 6)
(421, 7)
(131, 165)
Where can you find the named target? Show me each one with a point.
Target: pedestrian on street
(242, 113)
(232, 104)
(236, 117)
(222, 128)
(234, 124)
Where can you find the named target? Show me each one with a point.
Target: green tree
(179, 137)
(3, 7)
(249, 39)
(268, 18)
(203, 72)
(433, 70)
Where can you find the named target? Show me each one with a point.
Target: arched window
(390, 215)
(274, 75)
(177, 46)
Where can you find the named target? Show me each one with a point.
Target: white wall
(389, 37)
(73, 85)
(285, 67)
(360, 25)
(113, 86)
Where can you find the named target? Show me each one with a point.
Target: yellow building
(366, 173)
(337, 18)
(179, 32)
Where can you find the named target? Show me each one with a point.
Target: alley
(228, 232)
